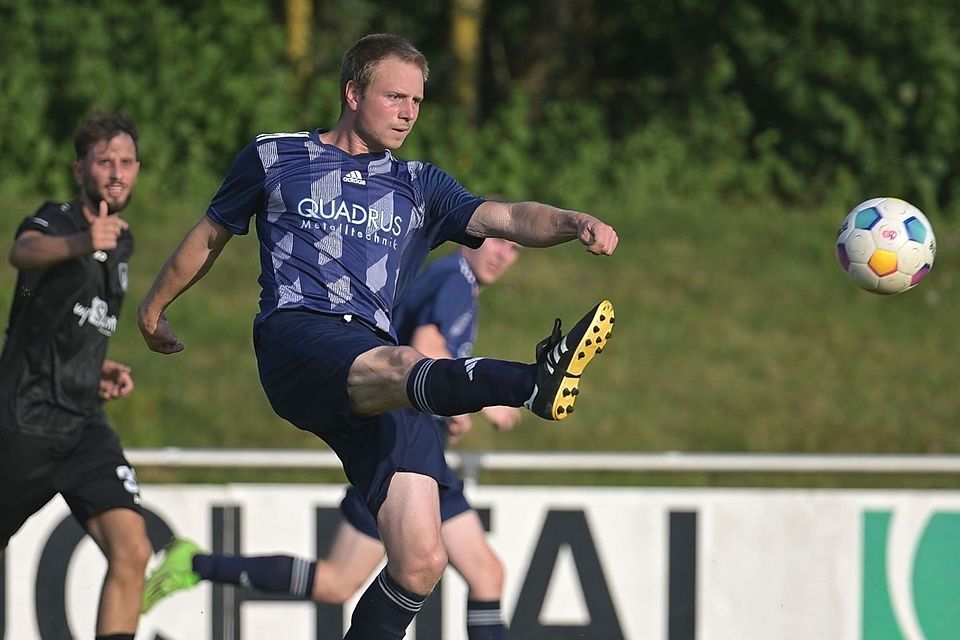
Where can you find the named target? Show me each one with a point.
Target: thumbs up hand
(105, 229)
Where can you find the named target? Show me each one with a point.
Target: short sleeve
(449, 207)
(50, 219)
(240, 196)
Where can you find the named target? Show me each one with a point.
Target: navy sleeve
(240, 197)
(449, 207)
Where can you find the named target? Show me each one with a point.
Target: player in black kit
(54, 376)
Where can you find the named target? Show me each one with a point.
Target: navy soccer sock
(116, 636)
(485, 621)
(466, 385)
(275, 574)
(384, 611)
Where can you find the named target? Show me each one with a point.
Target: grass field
(736, 331)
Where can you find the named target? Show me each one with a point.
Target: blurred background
(725, 141)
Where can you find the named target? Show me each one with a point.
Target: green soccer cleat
(174, 573)
(561, 360)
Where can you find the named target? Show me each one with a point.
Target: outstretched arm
(37, 250)
(190, 262)
(533, 224)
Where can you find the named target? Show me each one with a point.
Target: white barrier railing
(607, 561)
(471, 463)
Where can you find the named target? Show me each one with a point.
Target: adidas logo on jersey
(354, 177)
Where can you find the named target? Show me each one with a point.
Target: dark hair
(102, 126)
(360, 59)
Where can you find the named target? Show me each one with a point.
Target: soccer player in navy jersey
(335, 212)
(72, 260)
(438, 317)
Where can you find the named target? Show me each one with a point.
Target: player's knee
(494, 575)
(402, 360)
(332, 586)
(335, 593)
(377, 381)
(383, 364)
(485, 581)
(429, 572)
(130, 556)
(421, 571)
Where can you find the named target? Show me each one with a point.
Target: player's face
(492, 259)
(387, 110)
(108, 172)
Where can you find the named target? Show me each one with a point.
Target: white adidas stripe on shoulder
(268, 136)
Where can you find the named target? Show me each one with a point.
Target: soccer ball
(886, 245)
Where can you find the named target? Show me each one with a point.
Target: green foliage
(813, 96)
(200, 79)
(724, 140)
(817, 102)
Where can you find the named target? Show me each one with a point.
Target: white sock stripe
(299, 577)
(293, 588)
(484, 617)
(420, 387)
(401, 600)
(492, 613)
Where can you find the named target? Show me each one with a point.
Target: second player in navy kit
(335, 213)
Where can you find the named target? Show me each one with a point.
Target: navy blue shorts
(354, 510)
(304, 359)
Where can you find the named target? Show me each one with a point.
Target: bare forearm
(543, 225)
(187, 265)
(38, 250)
(531, 224)
(540, 225)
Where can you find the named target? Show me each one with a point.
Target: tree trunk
(299, 23)
(466, 18)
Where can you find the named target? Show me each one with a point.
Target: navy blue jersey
(445, 295)
(333, 227)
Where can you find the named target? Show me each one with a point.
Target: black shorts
(88, 469)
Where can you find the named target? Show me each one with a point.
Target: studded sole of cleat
(591, 344)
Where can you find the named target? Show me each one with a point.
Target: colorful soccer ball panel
(920, 274)
(915, 229)
(843, 257)
(866, 218)
(883, 263)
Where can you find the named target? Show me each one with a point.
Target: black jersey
(60, 322)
